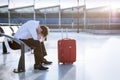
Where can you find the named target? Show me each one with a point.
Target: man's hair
(45, 30)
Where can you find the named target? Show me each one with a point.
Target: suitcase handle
(66, 38)
(65, 31)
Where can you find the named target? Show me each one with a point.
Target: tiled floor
(98, 58)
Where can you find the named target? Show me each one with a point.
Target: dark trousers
(43, 49)
(39, 49)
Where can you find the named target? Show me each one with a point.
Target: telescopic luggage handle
(65, 31)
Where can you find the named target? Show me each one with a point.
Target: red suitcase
(66, 50)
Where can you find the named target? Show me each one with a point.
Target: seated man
(33, 35)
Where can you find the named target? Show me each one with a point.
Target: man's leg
(44, 54)
(43, 49)
(38, 56)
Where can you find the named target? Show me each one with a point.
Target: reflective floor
(98, 58)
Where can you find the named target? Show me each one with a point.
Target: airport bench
(24, 48)
(8, 30)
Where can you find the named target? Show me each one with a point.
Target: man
(33, 35)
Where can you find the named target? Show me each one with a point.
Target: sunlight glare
(115, 6)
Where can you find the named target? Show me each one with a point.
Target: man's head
(43, 30)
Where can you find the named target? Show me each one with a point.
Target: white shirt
(28, 30)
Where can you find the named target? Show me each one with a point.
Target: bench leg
(4, 48)
(21, 65)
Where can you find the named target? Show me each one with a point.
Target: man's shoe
(46, 62)
(40, 67)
